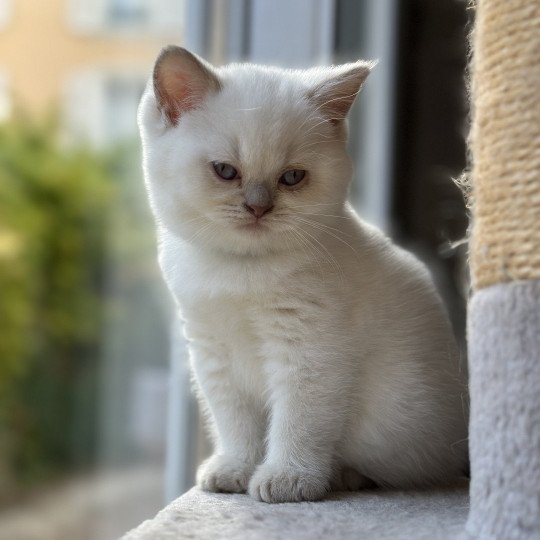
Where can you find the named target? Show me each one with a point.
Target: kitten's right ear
(181, 82)
(335, 95)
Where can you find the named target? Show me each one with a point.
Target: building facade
(86, 59)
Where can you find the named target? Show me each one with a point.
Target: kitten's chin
(254, 239)
(240, 238)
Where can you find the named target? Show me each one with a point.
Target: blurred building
(86, 59)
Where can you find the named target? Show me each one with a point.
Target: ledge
(371, 515)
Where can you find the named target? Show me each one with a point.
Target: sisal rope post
(505, 142)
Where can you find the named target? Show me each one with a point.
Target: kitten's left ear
(181, 82)
(335, 95)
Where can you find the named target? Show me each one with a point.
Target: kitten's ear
(335, 95)
(181, 82)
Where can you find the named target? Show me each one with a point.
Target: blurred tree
(53, 209)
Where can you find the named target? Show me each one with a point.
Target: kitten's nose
(258, 199)
(258, 211)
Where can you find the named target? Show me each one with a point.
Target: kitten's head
(244, 158)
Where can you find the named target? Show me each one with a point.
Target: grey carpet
(369, 515)
(504, 359)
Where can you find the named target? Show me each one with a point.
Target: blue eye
(292, 177)
(224, 170)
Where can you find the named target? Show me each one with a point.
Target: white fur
(322, 351)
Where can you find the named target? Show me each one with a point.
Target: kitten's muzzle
(257, 210)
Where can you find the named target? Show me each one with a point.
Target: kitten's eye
(224, 170)
(292, 177)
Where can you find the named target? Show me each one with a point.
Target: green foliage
(54, 207)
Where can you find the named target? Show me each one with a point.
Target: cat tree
(504, 312)
(503, 334)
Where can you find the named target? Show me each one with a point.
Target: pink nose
(258, 211)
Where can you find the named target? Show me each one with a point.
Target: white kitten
(322, 352)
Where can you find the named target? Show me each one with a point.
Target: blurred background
(98, 429)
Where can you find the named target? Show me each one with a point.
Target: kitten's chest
(223, 338)
(241, 305)
(220, 320)
(194, 277)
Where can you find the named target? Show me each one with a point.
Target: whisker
(333, 235)
(323, 215)
(315, 204)
(199, 232)
(198, 218)
(305, 244)
(332, 260)
(323, 225)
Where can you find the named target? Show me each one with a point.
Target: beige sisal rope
(505, 142)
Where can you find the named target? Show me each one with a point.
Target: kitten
(321, 351)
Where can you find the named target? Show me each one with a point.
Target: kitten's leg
(239, 429)
(306, 423)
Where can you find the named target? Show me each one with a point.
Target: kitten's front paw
(277, 484)
(224, 474)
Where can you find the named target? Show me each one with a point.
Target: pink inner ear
(182, 90)
(338, 107)
(335, 96)
(181, 82)
(179, 93)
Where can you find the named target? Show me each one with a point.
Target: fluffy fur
(321, 351)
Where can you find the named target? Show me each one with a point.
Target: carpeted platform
(369, 515)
